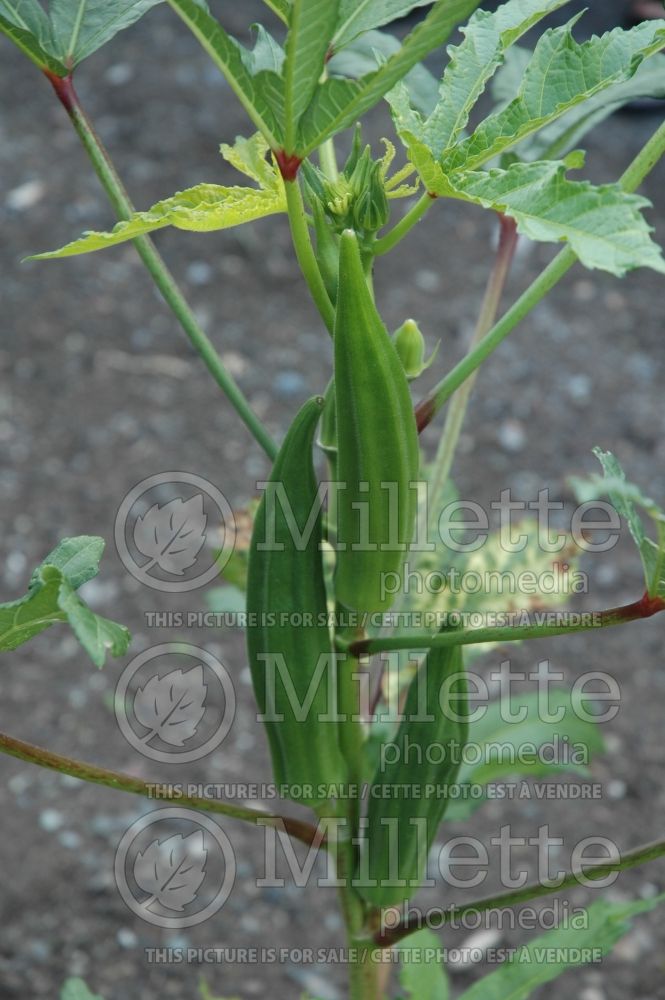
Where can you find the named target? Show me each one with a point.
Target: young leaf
(625, 497)
(52, 598)
(565, 133)
(602, 224)
(486, 38)
(338, 103)
(203, 208)
(311, 25)
(561, 74)
(257, 94)
(76, 989)
(359, 16)
(551, 954)
(420, 977)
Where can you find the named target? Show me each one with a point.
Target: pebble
(592, 993)
(427, 281)
(616, 789)
(578, 388)
(289, 383)
(199, 272)
(119, 74)
(126, 938)
(25, 195)
(51, 820)
(70, 839)
(474, 947)
(511, 435)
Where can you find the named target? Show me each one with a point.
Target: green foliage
(602, 224)
(512, 748)
(372, 402)
(70, 30)
(76, 989)
(420, 977)
(534, 964)
(202, 209)
(285, 579)
(426, 755)
(52, 598)
(565, 132)
(625, 498)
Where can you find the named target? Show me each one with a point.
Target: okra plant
(351, 499)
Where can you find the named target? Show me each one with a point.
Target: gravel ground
(100, 390)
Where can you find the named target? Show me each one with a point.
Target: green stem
(305, 252)
(630, 180)
(582, 622)
(156, 267)
(638, 856)
(305, 832)
(405, 225)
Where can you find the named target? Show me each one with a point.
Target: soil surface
(100, 390)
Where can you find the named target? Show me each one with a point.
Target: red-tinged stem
(583, 622)
(295, 828)
(288, 163)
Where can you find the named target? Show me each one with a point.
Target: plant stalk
(583, 622)
(154, 790)
(154, 264)
(630, 180)
(305, 252)
(404, 226)
(638, 856)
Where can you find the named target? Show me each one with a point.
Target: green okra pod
(377, 444)
(416, 770)
(288, 638)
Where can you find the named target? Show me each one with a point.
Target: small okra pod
(377, 444)
(291, 660)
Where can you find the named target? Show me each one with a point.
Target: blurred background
(100, 389)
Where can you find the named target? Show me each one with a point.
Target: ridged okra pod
(288, 638)
(417, 768)
(377, 444)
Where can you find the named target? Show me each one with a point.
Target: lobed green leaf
(625, 498)
(551, 954)
(202, 209)
(260, 95)
(52, 598)
(338, 102)
(487, 36)
(561, 74)
(564, 133)
(71, 30)
(602, 224)
(311, 26)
